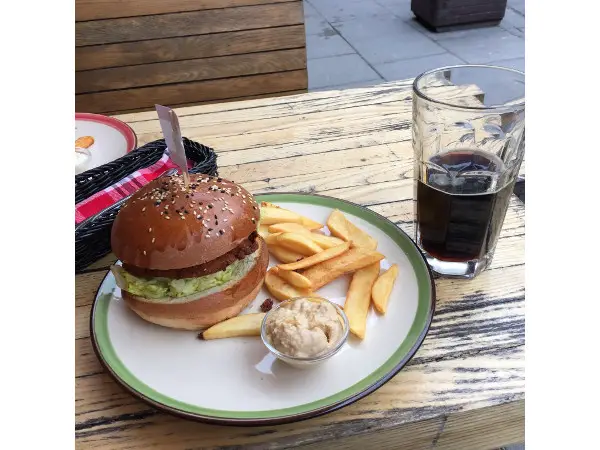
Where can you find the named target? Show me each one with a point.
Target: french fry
(263, 231)
(271, 239)
(325, 242)
(244, 325)
(282, 290)
(84, 142)
(358, 298)
(337, 224)
(317, 258)
(341, 227)
(311, 224)
(306, 222)
(294, 278)
(382, 288)
(321, 240)
(268, 205)
(270, 215)
(298, 243)
(289, 227)
(354, 259)
(284, 255)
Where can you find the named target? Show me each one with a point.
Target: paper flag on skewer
(172, 133)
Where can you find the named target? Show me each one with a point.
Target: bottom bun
(210, 309)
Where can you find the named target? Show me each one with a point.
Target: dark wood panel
(196, 91)
(112, 9)
(190, 70)
(188, 23)
(180, 48)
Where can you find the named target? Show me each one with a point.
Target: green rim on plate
(418, 330)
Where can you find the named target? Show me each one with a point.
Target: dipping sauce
(304, 328)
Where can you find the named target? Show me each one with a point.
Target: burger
(191, 256)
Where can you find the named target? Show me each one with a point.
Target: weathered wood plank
(390, 98)
(196, 91)
(190, 70)
(188, 23)
(300, 104)
(414, 395)
(87, 285)
(221, 101)
(111, 9)
(189, 47)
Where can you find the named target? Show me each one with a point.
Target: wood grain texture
(220, 101)
(198, 91)
(188, 23)
(463, 390)
(110, 9)
(190, 47)
(190, 70)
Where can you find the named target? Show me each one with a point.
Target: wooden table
(464, 389)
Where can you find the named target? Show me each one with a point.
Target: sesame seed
(225, 220)
(216, 216)
(153, 239)
(167, 217)
(199, 217)
(149, 230)
(231, 227)
(210, 206)
(207, 235)
(216, 222)
(143, 209)
(210, 229)
(144, 252)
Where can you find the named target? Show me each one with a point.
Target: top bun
(166, 226)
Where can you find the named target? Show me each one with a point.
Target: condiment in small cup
(306, 362)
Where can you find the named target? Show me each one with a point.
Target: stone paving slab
(358, 42)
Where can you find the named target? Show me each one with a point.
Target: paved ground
(362, 42)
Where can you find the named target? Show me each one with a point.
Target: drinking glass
(469, 142)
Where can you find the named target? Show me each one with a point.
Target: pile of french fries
(310, 260)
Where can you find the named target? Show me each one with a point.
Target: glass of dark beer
(469, 142)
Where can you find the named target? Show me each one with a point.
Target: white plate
(237, 381)
(112, 139)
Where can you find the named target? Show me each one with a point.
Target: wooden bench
(132, 54)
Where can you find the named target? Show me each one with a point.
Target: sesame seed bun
(166, 226)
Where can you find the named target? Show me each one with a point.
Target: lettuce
(160, 287)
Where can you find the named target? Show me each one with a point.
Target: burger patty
(246, 248)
